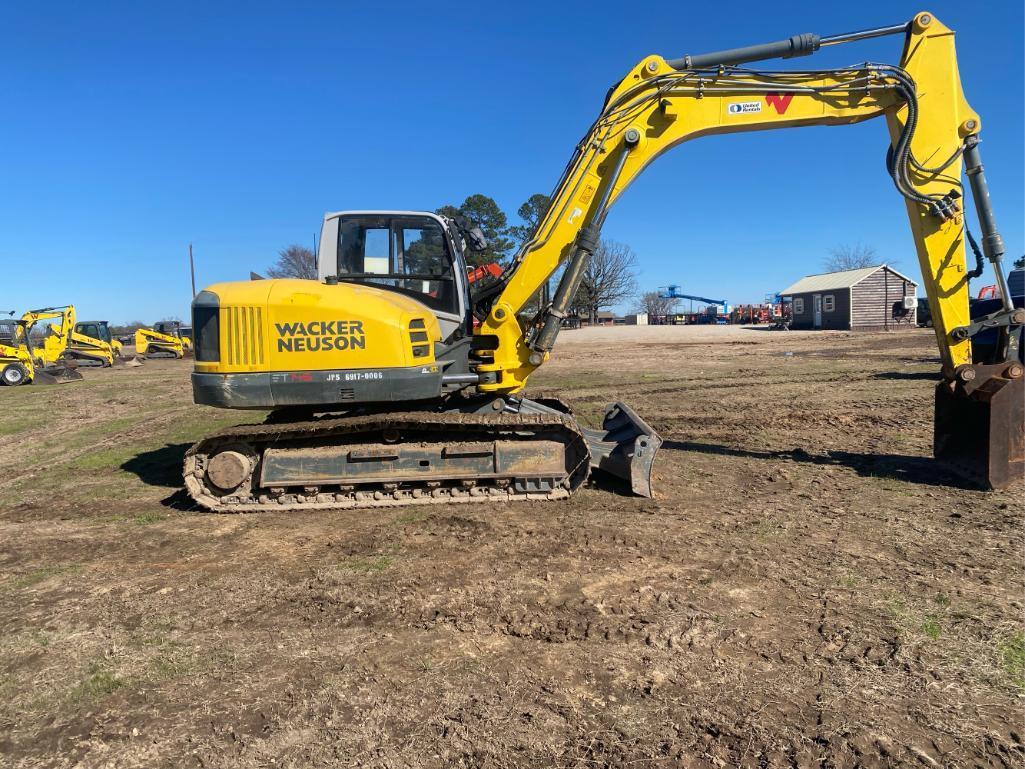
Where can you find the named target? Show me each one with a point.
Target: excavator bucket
(979, 429)
(625, 447)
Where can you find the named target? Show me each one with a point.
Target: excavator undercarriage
(498, 449)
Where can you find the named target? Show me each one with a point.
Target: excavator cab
(415, 254)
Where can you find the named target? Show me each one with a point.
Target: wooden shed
(868, 299)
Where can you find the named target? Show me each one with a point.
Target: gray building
(867, 299)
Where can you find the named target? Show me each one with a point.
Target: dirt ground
(807, 589)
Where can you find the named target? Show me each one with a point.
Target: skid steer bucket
(979, 428)
(44, 378)
(67, 371)
(625, 447)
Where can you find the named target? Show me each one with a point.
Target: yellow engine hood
(304, 325)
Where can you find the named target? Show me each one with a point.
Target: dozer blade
(979, 429)
(625, 447)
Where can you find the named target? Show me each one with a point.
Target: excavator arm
(934, 138)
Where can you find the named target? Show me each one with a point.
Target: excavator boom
(934, 139)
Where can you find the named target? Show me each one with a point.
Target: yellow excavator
(385, 392)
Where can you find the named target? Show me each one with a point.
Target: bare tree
(850, 258)
(531, 212)
(294, 262)
(654, 304)
(610, 278)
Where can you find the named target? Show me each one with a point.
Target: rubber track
(448, 425)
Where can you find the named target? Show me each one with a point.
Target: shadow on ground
(934, 376)
(160, 467)
(923, 470)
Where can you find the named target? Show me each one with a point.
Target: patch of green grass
(97, 684)
(41, 575)
(849, 581)
(144, 519)
(94, 433)
(367, 565)
(1011, 653)
(118, 489)
(19, 425)
(931, 627)
(942, 600)
(104, 459)
(174, 661)
(413, 516)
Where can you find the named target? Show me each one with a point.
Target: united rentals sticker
(744, 107)
(321, 336)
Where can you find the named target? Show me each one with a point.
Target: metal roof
(830, 281)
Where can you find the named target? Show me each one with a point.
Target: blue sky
(132, 129)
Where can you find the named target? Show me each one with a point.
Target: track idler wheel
(979, 428)
(227, 470)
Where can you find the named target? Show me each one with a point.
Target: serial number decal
(362, 376)
(744, 107)
(321, 335)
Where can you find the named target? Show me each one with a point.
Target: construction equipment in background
(716, 311)
(99, 330)
(985, 342)
(21, 363)
(384, 393)
(154, 344)
(62, 344)
(175, 328)
(752, 314)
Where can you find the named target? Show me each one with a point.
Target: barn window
(828, 303)
(799, 306)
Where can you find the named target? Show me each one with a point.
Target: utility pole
(192, 270)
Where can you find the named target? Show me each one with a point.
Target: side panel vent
(244, 335)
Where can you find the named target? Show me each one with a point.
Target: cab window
(407, 254)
